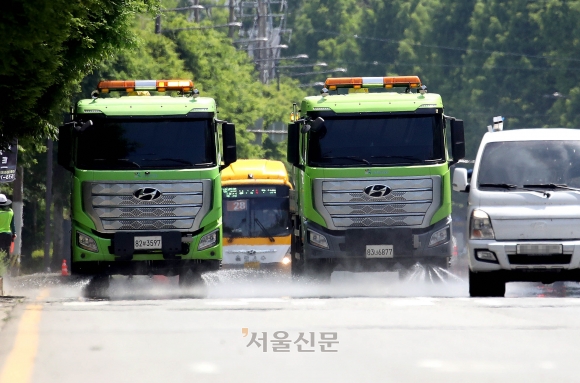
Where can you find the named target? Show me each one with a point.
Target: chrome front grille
(115, 206)
(409, 202)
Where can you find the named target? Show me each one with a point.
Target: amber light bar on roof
(134, 85)
(372, 82)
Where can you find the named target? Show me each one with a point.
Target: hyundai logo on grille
(377, 191)
(147, 194)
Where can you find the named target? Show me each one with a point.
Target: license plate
(379, 251)
(252, 265)
(539, 249)
(147, 243)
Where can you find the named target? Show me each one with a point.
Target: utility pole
(263, 53)
(48, 204)
(196, 11)
(232, 18)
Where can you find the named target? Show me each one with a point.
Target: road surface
(387, 330)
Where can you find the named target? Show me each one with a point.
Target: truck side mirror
(65, 147)
(293, 150)
(457, 140)
(460, 183)
(317, 124)
(229, 143)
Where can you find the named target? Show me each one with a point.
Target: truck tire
(486, 284)
(297, 265)
(317, 270)
(98, 287)
(192, 284)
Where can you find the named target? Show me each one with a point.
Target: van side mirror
(460, 183)
(65, 150)
(293, 148)
(229, 143)
(457, 141)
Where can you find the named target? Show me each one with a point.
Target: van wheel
(486, 284)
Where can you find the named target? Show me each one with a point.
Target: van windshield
(519, 163)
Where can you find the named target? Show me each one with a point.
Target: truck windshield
(530, 164)
(256, 211)
(146, 143)
(377, 141)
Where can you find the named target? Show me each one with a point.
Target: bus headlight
(87, 243)
(480, 226)
(317, 239)
(208, 240)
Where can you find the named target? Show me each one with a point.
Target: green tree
(47, 48)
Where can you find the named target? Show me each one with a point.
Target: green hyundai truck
(371, 173)
(145, 158)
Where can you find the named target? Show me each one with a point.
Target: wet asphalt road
(387, 330)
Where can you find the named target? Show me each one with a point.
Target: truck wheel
(318, 270)
(98, 287)
(297, 266)
(192, 283)
(486, 284)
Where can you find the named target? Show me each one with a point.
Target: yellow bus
(256, 221)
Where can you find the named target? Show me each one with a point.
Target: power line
(393, 41)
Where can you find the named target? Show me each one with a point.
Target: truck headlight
(439, 237)
(208, 240)
(317, 239)
(87, 243)
(480, 226)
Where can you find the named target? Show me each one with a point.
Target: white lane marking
(204, 368)
(414, 302)
(89, 303)
(547, 365)
(309, 302)
(265, 300)
(225, 303)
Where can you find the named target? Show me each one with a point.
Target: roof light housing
(372, 82)
(184, 86)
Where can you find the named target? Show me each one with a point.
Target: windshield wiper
(355, 158)
(123, 160)
(264, 230)
(178, 160)
(515, 187)
(235, 232)
(552, 186)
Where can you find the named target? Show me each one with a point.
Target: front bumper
(409, 245)
(183, 248)
(510, 263)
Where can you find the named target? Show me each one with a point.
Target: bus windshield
(256, 211)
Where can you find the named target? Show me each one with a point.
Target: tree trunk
(18, 207)
(48, 205)
(58, 218)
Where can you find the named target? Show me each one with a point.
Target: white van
(524, 209)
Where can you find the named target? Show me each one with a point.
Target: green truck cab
(146, 195)
(371, 173)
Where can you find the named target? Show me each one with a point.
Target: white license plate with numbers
(147, 243)
(379, 251)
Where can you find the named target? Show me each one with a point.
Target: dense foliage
(515, 58)
(47, 47)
